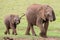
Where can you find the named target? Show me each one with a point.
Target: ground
(39, 38)
(19, 7)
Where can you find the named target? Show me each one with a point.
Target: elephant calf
(39, 15)
(11, 22)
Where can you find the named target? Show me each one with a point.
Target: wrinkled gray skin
(11, 22)
(39, 15)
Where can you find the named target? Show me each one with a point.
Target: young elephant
(39, 15)
(11, 22)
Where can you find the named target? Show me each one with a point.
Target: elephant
(39, 15)
(11, 21)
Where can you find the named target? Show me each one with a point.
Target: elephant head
(46, 12)
(15, 19)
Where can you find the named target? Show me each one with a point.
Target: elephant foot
(27, 33)
(43, 35)
(9, 33)
(15, 34)
(34, 34)
(5, 33)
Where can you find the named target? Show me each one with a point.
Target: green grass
(19, 7)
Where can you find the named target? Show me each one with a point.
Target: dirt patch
(49, 38)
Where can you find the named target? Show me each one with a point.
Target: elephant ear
(42, 14)
(54, 18)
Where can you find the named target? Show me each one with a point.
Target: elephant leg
(33, 32)
(40, 25)
(42, 30)
(14, 31)
(46, 27)
(13, 27)
(7, 31)
(28, 30)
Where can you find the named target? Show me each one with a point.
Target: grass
(19, 7)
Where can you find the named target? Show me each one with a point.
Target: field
(19, 7)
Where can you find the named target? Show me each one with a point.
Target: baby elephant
(11, 22)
